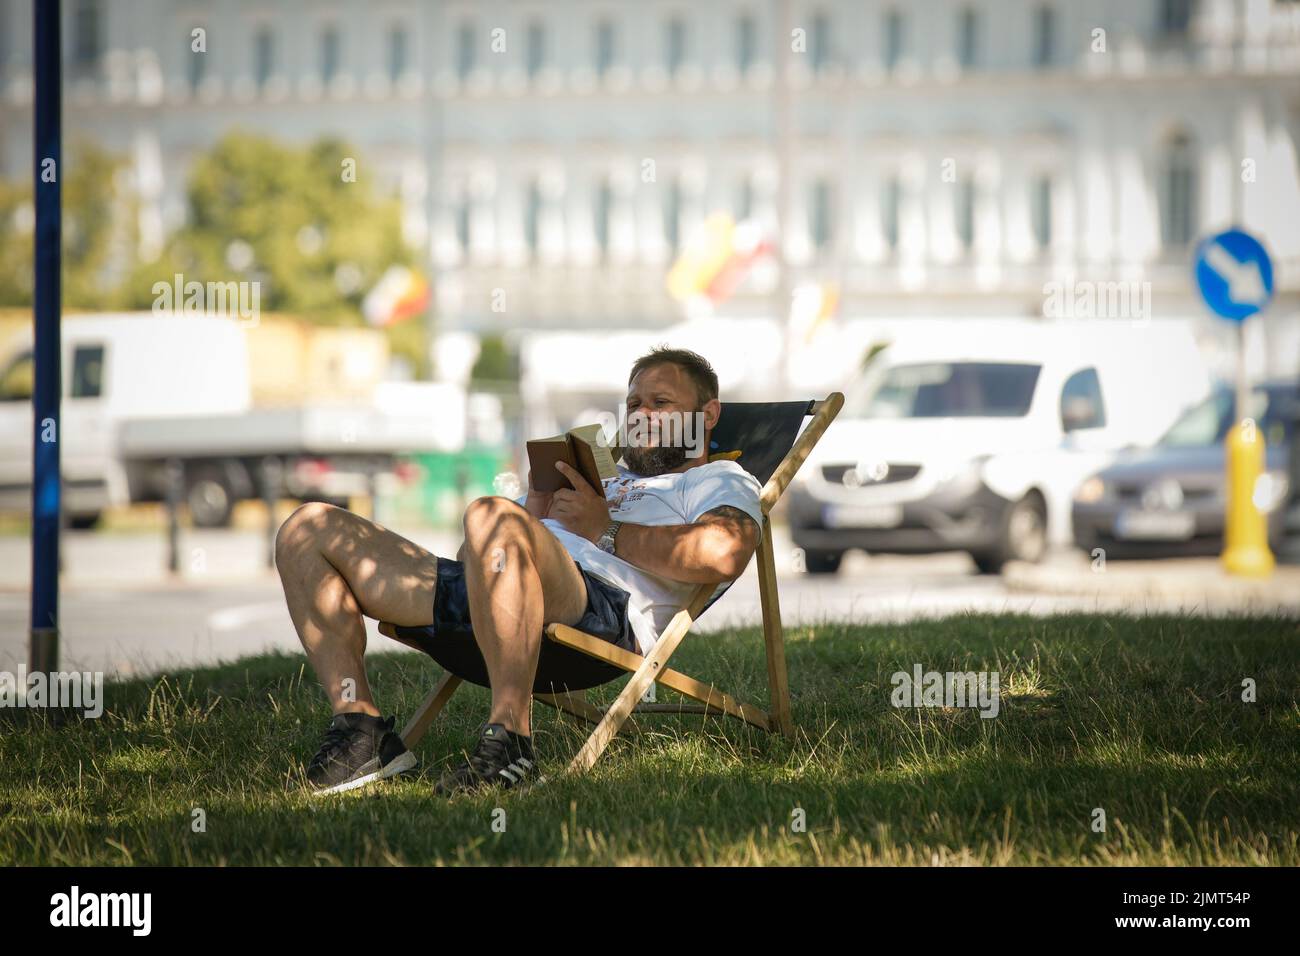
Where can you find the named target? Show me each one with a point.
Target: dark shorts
(449, 640)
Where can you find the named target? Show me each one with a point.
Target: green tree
(496, 365)
(296, 220)
(289, 218)
(99, 234)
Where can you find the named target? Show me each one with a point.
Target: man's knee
(304, 529)
(493, 521)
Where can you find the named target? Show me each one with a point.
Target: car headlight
(1270, 490)
(1091, 491)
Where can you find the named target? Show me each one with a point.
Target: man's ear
(712, 411)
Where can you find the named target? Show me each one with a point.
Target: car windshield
(1208, 422)
(950, 390)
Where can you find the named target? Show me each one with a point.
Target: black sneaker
(502, 758)
(357, 749)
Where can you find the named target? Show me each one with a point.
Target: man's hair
(696, 367)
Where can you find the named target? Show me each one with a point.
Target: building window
(396, 52)
(894, 39)
(465, 49)
(601, 209)
(532, 216)
(672, 214)
(1044, 37)
(968, 38)
(1175, 16)
(87, 32)
(604, 47)
(1178, 193)
(819, 44)
(745, 199)
(263, 55)
(746, 42)
(329, 54)
(891, 201)
(1040, 208)
(461, 213)
(196, 66)
(535, 56)
(674, 45)
(965, 214)
(820, 224)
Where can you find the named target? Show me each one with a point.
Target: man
(617, 565)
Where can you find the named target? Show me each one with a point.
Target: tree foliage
(99, 231)
(287, 217)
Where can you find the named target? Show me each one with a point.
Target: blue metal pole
(48, 153)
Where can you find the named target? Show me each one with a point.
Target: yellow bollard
(1245, 551)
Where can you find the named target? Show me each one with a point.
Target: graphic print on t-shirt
(624, 493)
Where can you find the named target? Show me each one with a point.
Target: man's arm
(715, 548)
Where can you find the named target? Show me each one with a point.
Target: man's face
(664, 425)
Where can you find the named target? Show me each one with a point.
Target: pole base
(43, 651)
(1248, 562)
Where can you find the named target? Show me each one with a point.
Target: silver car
(1170, 499)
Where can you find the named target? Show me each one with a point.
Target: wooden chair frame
(653, 667)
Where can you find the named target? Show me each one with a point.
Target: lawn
(1141, 717)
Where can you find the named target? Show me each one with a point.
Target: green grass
(1141, 717)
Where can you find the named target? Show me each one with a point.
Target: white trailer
(142, 391)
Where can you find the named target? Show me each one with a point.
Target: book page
(594, 437)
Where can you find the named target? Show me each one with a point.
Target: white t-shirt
(676, 498)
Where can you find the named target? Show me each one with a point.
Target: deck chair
(765, 439)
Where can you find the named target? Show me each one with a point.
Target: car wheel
(209, 498)
(1025, 533)
(84, 522)
(822, 562)
(1023, 537)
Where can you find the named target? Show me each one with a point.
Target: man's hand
(538, 503)
(581, 509)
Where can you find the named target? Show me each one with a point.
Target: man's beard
(655, 460)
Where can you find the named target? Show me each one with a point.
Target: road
(121, 613)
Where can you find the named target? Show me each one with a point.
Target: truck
(973, 436)
(150, 401)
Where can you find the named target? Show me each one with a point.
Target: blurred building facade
(939, 158)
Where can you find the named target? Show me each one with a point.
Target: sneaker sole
(400, 764)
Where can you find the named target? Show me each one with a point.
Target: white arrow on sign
(1245, 283)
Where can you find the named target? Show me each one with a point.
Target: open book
(583, 448)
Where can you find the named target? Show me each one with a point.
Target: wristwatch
(606, 540)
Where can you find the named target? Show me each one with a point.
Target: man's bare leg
(337, 566)
(518, 578)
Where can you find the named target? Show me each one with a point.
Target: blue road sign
(1234, 274)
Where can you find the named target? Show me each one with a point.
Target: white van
(973, 436)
